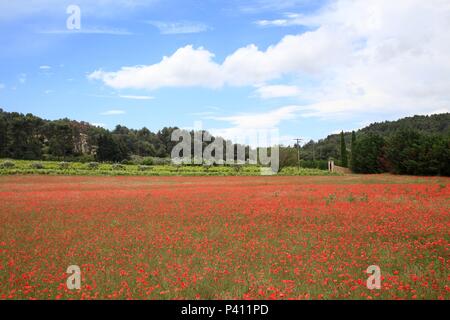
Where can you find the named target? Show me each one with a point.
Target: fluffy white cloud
(189, 66)
(186, 67)
(257, 129)
(382, 57)
(266, 120)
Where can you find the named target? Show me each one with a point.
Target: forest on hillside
(28, 137)
(414, 145)
(329, 147)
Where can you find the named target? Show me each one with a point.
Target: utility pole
(298, 140)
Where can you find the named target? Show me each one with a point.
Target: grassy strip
(25, 167)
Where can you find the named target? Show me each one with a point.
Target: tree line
(330, 147)
(407, 151)
(27, 137)
(416, 145)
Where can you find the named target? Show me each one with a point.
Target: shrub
(37, 165)
(7, 165)
(86, 158)
(135, 159)
(237, 168)
(145, 168)
(161, 161)
(118, 166)
(64, 165)
(147, 162)
(93, 165)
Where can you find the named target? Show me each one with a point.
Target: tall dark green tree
(3, 137)
(61, 142)
(368, 154)
(109, 149)
(403, 151)
(344, 156)
(287, 157)
(352, 147)
(414, 153)
(24, 137)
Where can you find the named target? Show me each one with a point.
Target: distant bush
(7, 164)
(145, 168)
(147, 161)
(317, 164)
(64, 165)
(93, 165)
(117, 166)
(37, 165)
(160, 161)
(304, 172)
(85, 158)
(135, 159)
(237, 168)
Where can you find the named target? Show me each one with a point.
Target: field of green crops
(20, 167)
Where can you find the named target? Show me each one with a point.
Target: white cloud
(136, 97)
(49, 91)
(181, 27)
(112, 113)
(291, 19)
(189, 67)
(186, 67)
(277, 91)
(243, 127)
(360, 57)
(2, 86)
(266, 120)
(45, 67)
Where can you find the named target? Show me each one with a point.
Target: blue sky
(308, 68)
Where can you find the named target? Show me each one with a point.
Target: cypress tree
(3, 138)
(344, 158)
(353, 147)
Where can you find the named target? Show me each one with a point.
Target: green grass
(26, 167)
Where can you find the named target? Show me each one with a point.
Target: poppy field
(224, 237)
